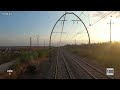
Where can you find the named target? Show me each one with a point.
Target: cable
(81, 13)
(101, 18)
(95, 22)
(89, 19)
(75, 27)
(62, 27)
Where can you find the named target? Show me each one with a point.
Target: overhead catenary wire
(103, 16)
(89, 19)
(62, 27)
(81, 13)
(75, 27)
(99, 19)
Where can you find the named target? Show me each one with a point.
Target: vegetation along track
(91, 70)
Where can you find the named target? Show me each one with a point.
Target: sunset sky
(17, 27)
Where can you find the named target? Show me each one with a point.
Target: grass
(8, 57)
(104, 53)
(27, 60)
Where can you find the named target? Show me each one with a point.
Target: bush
(75, 52)
(25, 57)
(35, 55)
(39, 53)
(104, 53)
(43, 53)
(32, 68)
(17, 63)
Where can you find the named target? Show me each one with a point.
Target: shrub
(32, 68)
(17, 63)
(35, 55)
(74, 51)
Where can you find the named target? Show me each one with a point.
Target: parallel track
(68, 66)
(91, 70)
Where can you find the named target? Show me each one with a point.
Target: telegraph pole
(44, 43)
(37, 40)
(75, 41)
(30, 43)
(62, 27)
(110, 28)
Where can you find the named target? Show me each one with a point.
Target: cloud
(116, 14)
(98, 13)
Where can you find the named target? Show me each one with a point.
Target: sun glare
(115, 33)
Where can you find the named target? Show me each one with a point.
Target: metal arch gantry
(60, 20)
(62, 31)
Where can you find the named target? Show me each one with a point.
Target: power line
(101, 18)
(62, 27)
(73, 23)
(81, 13)
(89, 19)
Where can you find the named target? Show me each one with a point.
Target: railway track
(91, 70)
(62, 69)
(67, 66)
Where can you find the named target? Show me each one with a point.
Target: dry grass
(22, 68)
(25, 61)
(106, 54)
